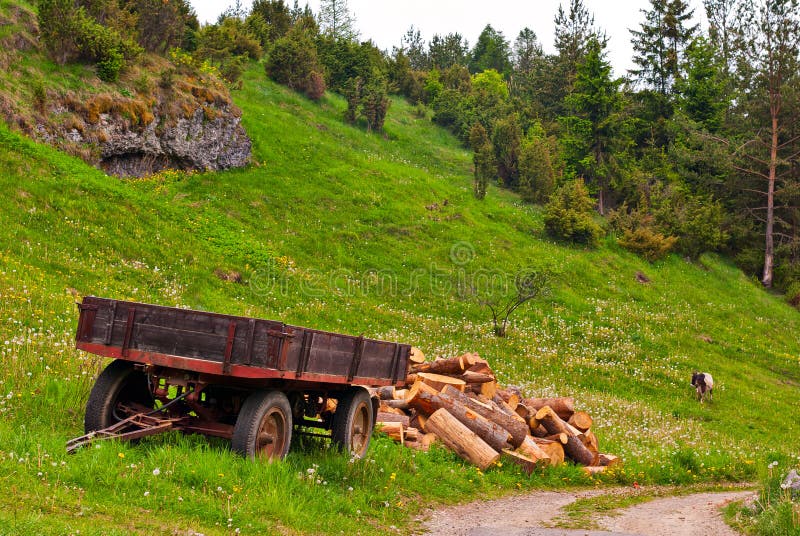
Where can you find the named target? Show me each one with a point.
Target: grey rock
(195, 143)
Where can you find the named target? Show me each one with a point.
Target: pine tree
(413, 47)
(659, 45)
(594, 134)
(336, 21)
(490, 52)
(703, 95)
(527, 51)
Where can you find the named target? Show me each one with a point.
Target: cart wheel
(119, 384)
(353, 422)
(264, 426)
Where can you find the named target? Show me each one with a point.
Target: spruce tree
(594, 134)
(660, 44)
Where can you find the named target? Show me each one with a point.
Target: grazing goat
(703, 383)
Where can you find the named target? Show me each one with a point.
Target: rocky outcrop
(194, 129)
(189, 143)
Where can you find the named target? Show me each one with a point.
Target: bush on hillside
(640, 234)
(163, 24)
(484, 166)
(536, 174)
(649, 244)
(71, 34)
(570, 214)
(292, 60)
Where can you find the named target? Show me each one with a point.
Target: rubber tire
(263, 408)
(353, 422)
(119, 382)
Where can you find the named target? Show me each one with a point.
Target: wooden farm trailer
(250, 380)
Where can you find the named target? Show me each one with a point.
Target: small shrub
(648, 243)
(315, 86)
(39, 95)
(569, 215)
(420, 110)
(292, 59)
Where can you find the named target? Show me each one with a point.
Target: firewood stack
(457, 401)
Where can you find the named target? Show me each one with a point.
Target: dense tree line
(695, 149)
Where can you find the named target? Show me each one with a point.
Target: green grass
(358, 233)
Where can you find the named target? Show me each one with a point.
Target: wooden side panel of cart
(234, 346)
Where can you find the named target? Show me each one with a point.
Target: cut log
(562, 438)
(416, 356)
(531, 450)
(428, 439)
(514, 426)
(410, 379)
(553, 449)
(393, 430)
(400, 394)
(539, 431)
(563, 406)
(574, 448)
(492, 433)
(461, 439)
(528, 465)
(481, 367)
(581, 420)
(511, 395)
(488, 389)
(386, 393)
(439, 381)
(411, 434)
(386, 408)
(476, 377)
(418, 421)
(607, 460)
(590, 440)
(450, 365)
(523, 411)
(392, 417)
(418, 386)
(396, 404)
(574, 431)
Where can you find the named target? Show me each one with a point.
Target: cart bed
(235, 346)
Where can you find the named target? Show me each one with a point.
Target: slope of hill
(341, 230)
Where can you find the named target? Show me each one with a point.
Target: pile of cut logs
(458, 402)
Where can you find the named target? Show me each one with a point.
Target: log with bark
(530, 449)
(553, 449)
(493, 434)
(528, 465)
(581, 420)
(461, 439)
(574, 448)
(416, 356)
(563, 406)
(607, 460)
(439, 381)
(386, 393)
(384, 417)
(515, 427)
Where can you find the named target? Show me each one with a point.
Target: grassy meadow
(342, 230)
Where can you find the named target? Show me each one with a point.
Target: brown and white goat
(703, 383)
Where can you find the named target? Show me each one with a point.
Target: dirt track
(531, 515)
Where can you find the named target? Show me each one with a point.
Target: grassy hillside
(341, 230)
